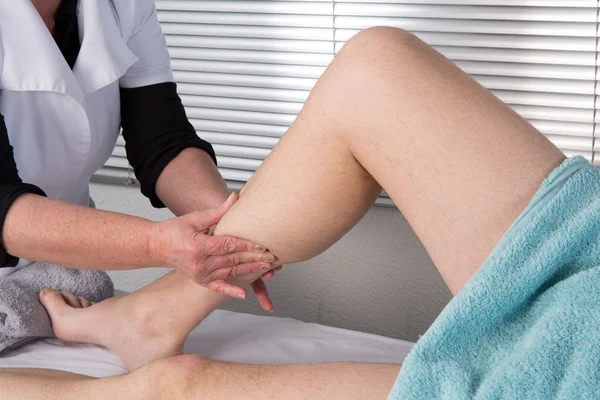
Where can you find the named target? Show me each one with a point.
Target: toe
(53, 301)
(85, 303)
(71, 299)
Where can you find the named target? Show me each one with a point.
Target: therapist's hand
(185, 244)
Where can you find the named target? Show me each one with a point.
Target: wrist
(154, 245)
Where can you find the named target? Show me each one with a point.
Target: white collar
(31, 61)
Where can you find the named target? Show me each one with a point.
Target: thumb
(213, 216)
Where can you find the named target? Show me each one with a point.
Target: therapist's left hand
(184, 244)
(260, 289)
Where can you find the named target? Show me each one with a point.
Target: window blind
(538, 56)
(244, 68)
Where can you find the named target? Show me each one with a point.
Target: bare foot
(122, 324)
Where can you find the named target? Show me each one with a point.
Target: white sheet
(226, 336)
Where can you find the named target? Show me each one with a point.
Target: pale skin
(389, 112)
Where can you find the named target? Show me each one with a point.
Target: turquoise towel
(527, 324)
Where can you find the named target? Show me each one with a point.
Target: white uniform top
(63, 123)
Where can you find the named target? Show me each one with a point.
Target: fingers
(223, 208)
(227, 289)
(237, 259)
(269, 275)
(220, 245)
(262, 295)
(213, 216)
(250, 268)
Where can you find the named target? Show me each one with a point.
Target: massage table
(225, 336)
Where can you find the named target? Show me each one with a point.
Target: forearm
(42, 229)
(191, 182)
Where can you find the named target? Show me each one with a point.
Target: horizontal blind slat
(224, 67)
(290, 46)
(245, 80)
(117, 162)
(223, 150)
(267, 7)
(298, 21)
(546, 99)
(586, 154)
(227, 138)
(239, 31)
(235, 174)
(518, 3)
(243, 104)
(536, 85)
(571, 142)
(573, 29)
(563, 127)
(251, 117)
(239, 128)
(497, 41)
(110, 174)
(554, 113)
(466, 12)
(513, 55)
(240, 92)
(575, 72)
(251, 56)
(245, 164)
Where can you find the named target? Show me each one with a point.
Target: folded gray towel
(22, 316)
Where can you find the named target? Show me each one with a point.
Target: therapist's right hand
(185, 244)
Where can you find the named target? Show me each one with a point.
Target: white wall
(377, 279)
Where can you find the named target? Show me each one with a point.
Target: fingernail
(260, 248)
(241, 296)
(265, 267)
(269, 258)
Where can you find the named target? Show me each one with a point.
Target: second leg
(391, 111)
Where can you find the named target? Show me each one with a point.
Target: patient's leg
(459, 164)
(34, 384)
(192, 377)
(147, 325)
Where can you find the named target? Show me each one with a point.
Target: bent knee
(378, 58)
(380, 40)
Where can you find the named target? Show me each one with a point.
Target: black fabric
(11, 187)
(156, 130)
(66, 31)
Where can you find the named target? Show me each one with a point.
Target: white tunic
(63, 123)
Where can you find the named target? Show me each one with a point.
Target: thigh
(391, 111)
(460, 164)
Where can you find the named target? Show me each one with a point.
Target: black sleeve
(11, 187)
(156, 130)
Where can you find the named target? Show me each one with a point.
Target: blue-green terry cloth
(527, 324)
